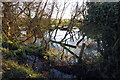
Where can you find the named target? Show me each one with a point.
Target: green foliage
(102, 22)
(13, 50)
(101, 18)
(102, 12)
(15, 54)
(10, 45)
(19, 51)
(12, 69)
(35, 51)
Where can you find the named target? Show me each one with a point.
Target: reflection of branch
(63, 45)
(69, 50)
(80, 40)
(69, 45)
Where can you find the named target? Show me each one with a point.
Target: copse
(103, 24)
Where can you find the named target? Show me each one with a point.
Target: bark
(81, 54)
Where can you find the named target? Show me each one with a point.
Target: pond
(91, 51)
(72, 39)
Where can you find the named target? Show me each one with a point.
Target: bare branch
(24, 9)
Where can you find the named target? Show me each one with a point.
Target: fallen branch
(63, 45)
(69, 50)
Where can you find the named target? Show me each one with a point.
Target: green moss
(12, 69)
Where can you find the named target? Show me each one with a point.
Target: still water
(72, 39)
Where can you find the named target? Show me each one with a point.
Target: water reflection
(72, 39)
(90, 48)
(90, 43)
